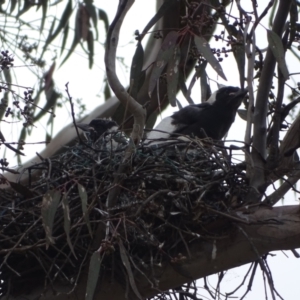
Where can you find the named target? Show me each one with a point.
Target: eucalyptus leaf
(49, 207)
(173, 75)
(204, 49)
(165, 54)
(276, 46)
(93, 276)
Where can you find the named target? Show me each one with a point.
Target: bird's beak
(239, 94)
(237, 97)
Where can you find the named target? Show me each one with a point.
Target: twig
(72, 111)
(263, 14)
(153, 196)
(261, 263)
(227, 215)
(283, 189)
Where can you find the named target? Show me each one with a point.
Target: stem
(138, 112)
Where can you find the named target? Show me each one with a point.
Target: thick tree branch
(138, 112)
(269, 229)
(288, 161)
(261, 109)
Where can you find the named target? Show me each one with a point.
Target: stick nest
(167, 195)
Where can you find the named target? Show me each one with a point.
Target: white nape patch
(214, 251)
(165, 127)
(212, 98)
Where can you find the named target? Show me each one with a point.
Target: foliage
(34, 44)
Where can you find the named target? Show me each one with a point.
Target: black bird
(212, 118)
(97, 128)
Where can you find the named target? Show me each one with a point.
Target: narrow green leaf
(51, 94)
(12, 5)
(2, 138)
(271, 14)
(239, 51)
(204, 85)
(26, 6)
(44, 5)
(52, 97)
(92, 10)
(151, 120)
(103, 17)
(293, 23)
(163, 57)
(179, 104)
(17, 151)
(204, 48)
(276, 46)
(77, 36)
(94, 271)
(173, 76)
(136, 70)
(83, 196)
(67, 221)
(184, 90)
(167, 5)
(107, 93)
(63, 22)
(49, 207)
(5, 75)
(90, 43)
(127, 265)
(200, 73)
(65, 37)
(50, 34)
(73, 46)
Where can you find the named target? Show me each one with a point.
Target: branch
(283, 189)
(269, 229)
(261, 109)
(233, 251)
(278, 117)
(138, 112)
(290, 143)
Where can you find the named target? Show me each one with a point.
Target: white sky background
(85, 84)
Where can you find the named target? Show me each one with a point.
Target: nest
(166, 196)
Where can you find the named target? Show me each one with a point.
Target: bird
(212, 118)
(97, 127)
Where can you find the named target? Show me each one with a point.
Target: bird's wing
(166, 126)
(188, 115)
(178, 121)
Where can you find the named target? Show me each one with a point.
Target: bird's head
(228, 97)
(97, 127)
